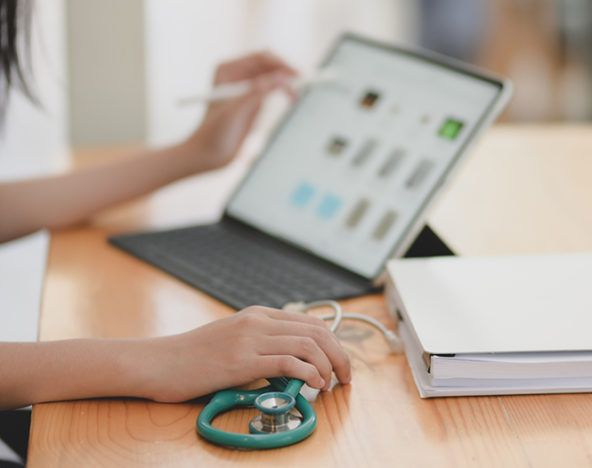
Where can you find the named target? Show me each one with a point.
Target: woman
(254, 343)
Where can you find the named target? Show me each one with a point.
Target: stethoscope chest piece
(277, 414)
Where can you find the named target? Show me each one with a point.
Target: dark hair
(15, 63)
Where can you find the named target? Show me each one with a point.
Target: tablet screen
(355, 162)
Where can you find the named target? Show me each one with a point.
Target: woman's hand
(227, 123)
(66, 199)
(255, 343)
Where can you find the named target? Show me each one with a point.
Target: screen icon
(450, 129)
(329, 206)
(336, 146)
(369, 99)
(302, 195)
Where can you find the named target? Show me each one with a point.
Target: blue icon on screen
(329, 206)
(302, 195)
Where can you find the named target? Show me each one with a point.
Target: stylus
(240, 88)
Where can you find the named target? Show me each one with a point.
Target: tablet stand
(428, 244)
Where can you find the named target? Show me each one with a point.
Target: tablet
(350, 171)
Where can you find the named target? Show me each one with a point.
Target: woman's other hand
(227, 123)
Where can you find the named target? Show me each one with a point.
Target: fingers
(260, 87)
(304, 348)
(290, 316)
(270, 60)
(242, 110)
(251, 66)
(285, 365)
(271, 81)
(309, 327)
(327, 342)
(266, 61)
(265, 83)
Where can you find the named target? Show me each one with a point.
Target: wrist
(192, 154)
(151, 365)
(140, 365)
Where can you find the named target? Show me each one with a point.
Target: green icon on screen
(450, 129)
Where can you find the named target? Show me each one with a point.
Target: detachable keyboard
(241, 266)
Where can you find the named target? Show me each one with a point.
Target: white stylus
(240, 88)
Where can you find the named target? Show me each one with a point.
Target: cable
(391, 337)
(338, 316)
(304, 307)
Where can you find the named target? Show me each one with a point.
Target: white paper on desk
(22, 271)
(480, 386)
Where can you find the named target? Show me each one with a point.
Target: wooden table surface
(525, 189)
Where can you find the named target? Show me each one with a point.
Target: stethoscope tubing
(228, 399)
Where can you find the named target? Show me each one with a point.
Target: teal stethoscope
(285, 416)
(277, 425)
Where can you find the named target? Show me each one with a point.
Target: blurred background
(109, 73)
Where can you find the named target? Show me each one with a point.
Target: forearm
(65, 370)
(61, 200)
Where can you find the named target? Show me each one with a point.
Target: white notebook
(517, 324)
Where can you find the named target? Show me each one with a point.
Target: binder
(497, 325)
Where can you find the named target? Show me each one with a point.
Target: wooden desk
(526, 189)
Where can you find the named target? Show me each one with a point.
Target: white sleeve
(22, 272)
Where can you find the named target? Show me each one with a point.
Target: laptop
(343, 183)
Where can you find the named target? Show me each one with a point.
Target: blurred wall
(129, 62)
(107, 72)
(543, 46)
(185, 39)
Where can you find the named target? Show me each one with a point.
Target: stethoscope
(285, 416)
